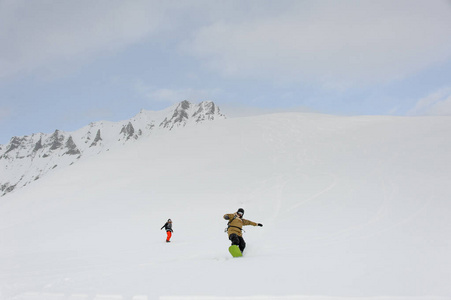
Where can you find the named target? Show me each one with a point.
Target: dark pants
(238, 240)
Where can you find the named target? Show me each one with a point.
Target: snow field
(351, 207)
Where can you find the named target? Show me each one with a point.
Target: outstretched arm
(247, 222)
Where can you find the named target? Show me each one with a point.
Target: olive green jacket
(236, 224)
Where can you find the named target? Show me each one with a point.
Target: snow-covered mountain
(28, 158)
(353, 208)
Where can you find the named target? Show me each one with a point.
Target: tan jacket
(236, 224)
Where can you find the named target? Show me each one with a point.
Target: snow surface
(352, 207)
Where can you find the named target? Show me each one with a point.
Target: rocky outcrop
(186, 112)
(96, 140)
(71, 147)
(128, 132)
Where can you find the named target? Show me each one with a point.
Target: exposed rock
(38, 145)
(71, 147)
(128, 131)
(56, 140)
(97, 139)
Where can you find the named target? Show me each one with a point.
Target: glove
(259, 224)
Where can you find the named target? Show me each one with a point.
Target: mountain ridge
(27, 158)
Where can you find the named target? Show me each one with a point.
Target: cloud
(52, 34)
(171, 96)
(435, 104)
(337, 44)
(74, 119)
(237, 110)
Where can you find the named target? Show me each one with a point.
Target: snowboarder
(235, 227)
(169, 231)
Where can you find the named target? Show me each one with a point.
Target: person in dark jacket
(235, 227)
(169, 231)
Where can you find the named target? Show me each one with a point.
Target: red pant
(169, 236)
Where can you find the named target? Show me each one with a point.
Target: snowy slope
(29, 158)
(351, 207)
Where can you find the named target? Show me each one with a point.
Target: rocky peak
(14, 143)
(179, 116)
(128, 131)
(71, 147)
(38, 145)
(184, 105)
(56, 140)
(207, 110)
(185, 112)
(97, 139)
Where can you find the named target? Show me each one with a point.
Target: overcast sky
(64, 64)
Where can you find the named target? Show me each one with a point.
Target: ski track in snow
(318, 194)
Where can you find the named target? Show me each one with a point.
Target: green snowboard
(235, 251)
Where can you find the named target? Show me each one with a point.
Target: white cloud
(51, 34)
(435, 104)
(236, 110)
(334, 43)
(337, 44)
(172, 96)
